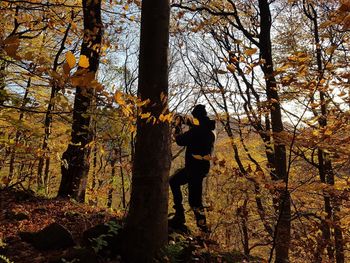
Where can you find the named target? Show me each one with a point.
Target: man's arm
(183, 139)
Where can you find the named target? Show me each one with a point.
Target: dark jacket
(199, 141)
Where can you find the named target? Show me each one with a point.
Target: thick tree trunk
(75, 166)
(283, 226)
(146, 226)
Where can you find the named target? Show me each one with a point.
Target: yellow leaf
(198, 157)
(328, 132)
(207, 157)
(143, 103)
(132, 128)
(313, 120)
(84, 61)
(168, 117)
(102, 151)
(152, 119)
(231, 68)
(145, 115)
(250, 51)
(162, 118)
(126, 7)
(127, 110)
(118, 96)
(70, 59)
(195, 121)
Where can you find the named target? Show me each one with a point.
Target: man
(199, 141)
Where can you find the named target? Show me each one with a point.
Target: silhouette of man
(199, 141)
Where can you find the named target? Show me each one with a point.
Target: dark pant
(194, 181)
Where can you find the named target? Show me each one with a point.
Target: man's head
(199, 111)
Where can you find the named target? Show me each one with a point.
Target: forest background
(274, 75)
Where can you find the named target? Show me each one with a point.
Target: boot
(201, 220)
(178, 220)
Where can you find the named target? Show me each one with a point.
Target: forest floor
(24, 212)
(21, 211)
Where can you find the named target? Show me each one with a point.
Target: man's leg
(195, 190)
(176, 180)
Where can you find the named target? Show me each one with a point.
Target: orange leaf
(250, 51)
(70, 59)
(84, 61)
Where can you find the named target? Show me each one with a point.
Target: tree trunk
(325, 167)
(47, 124)
(242, 213)
(122, 176)
(110, 190)
(18, 133)
(75, 166)
(42, 181)
(146, 226)
(94, 180)
(3, 95)
(283, 225)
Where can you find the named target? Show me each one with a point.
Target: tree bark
(110, 190)
(3, 95)
(42, 181)
(18, 132)
(325, 167)
(75, 166)
(122, 177)
(283, 225)
(146, 226)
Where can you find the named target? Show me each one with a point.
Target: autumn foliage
(74, 111)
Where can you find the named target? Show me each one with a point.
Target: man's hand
(178, 130)
(178, 124)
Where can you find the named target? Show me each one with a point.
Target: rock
(10, 215)
(78, 255)
(54, 236)
(105, 239)
(25, 195)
